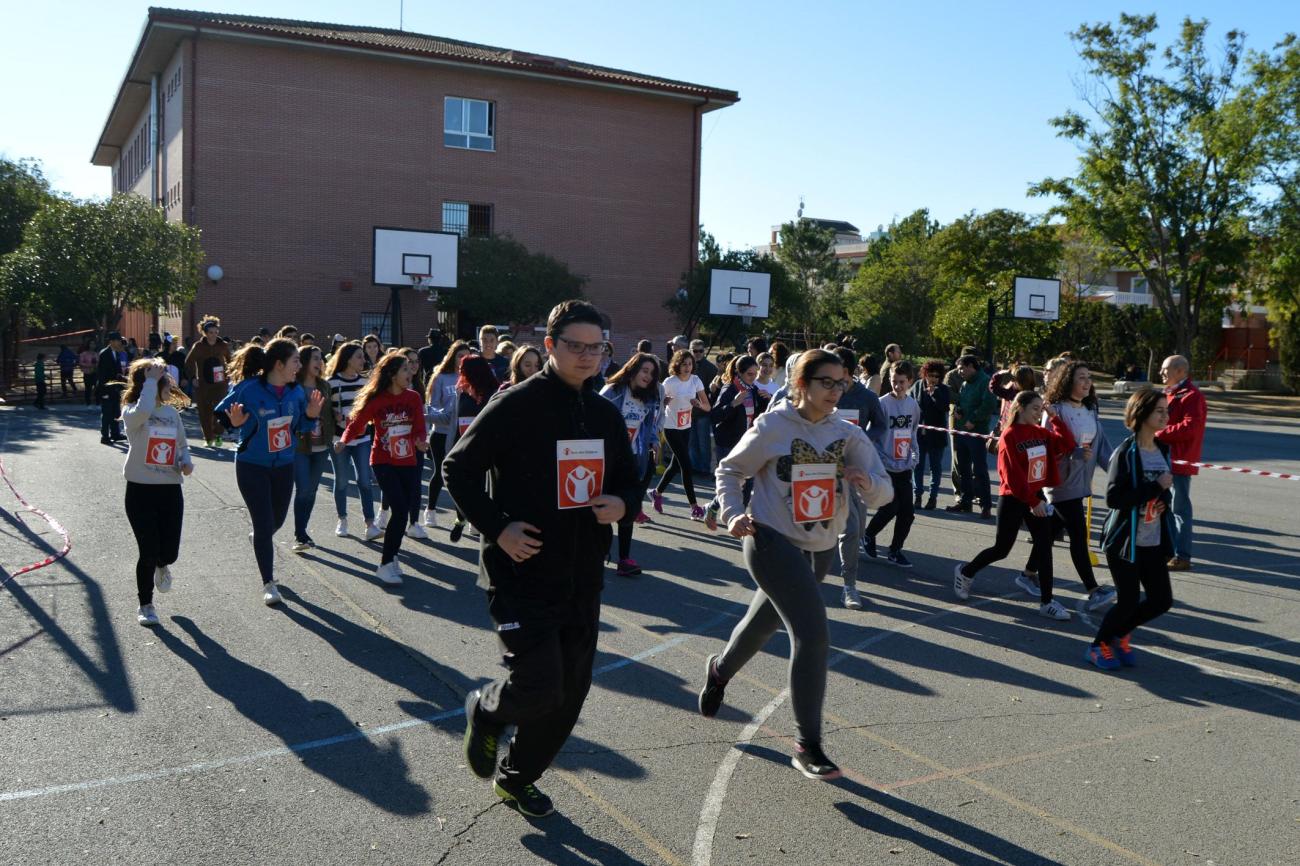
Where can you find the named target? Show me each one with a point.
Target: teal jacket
(976, 404)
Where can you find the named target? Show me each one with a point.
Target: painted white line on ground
(711, 811)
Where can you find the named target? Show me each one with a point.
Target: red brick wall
(294, 154)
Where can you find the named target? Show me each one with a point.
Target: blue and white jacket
(270, 420)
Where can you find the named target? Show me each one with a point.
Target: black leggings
(401, 486)
(900, 510)
(1073, 515)
(679, 442)
(155, 512)
(1011, 514)
(626, 525)
(267, 492)
(1151, 573)
(437, 451)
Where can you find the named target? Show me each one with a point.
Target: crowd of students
(549, 452)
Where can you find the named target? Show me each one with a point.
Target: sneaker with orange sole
(1102, 656)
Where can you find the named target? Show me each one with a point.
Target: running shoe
(1102, 656)
(457, 530)
(430, 517)
(300, 544)
(1177, 563)
(711, 516)
(146, 615)
(916, 501)
(810, 760)
(627, 568)
(1028, 582)
(958, 508)
(382, 521)
(852, 599)
(1100, 597)
(1054, 610)
(899, 560)
(714, 688)
(388, 574)
(657, 500)
(271, 593)
(986, 513)
(1123, 649)
(961, 584)
(119, 438)
(341, 528)
(642, 517)
(162, 578)
(415, 530)
(869, 546)
(697, 513)
(373, 531)
(527, 800)
(480, 744)
(931, 504)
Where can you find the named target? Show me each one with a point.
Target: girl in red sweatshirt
(1027, 458)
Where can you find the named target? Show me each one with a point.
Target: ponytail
(256, 361)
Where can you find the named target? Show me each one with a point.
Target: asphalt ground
(328, 731)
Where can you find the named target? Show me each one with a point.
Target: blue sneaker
(1102, 656)
(1127, 655)
(869, 546)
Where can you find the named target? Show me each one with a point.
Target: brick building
(285, 142)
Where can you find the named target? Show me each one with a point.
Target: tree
(892, 297)
(808, 253)
(692, 310)
(502, 282)
(1167, 164)
(23, 191)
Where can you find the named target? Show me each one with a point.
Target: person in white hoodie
(158, 454)
(803, 461)
(903, 414)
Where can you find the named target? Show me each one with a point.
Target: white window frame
(465, 102)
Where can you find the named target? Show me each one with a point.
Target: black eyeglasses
(579, 348)
(828, 383)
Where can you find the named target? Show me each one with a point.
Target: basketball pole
(395, 317)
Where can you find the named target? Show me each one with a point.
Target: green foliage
(892, 298)
(23, 191)
(693, 312)
(502, 282)
(1111, 337)
(808, 253)
(1167, 165)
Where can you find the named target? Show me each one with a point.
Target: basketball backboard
(739, 293)
(400, 254)
(1037, 299)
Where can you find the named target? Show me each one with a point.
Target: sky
(866, 110)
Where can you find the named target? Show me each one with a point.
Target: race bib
(850, 415)
(579, 471)
(399, 442)
(462, 424)
(218, 374)
(1037, 462)
(812, 491)
(1149, 514)
(683, 419)
(161, 449)
(632, 428)
(278, 437)
(749, 415)
(902, 444)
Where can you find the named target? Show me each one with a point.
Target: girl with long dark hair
(440, 409)
(350, 461)
(683, 392)
(474, 386)
(634, 389)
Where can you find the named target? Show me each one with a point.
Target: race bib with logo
(812, 491)
(683, 419)
(462, 424)
(218, 374)
(161, 449)
(902, 444)
(278, 435)
(1037, 462)
(632, 427)
(749, 415)
(1150, 514)
(399, 442)
(579, 471)
(850, 415)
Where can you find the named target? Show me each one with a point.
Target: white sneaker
(415, 530)
(162, 578)
(960, 582)
(271, 593)
(373, 531)
(388, 574)
(382, 522)
(1100, 597)
(852, 600)
(430, 517)
(146, 615)
(1054, 610)
(341, 528)
(300, 546)
(1028, 584)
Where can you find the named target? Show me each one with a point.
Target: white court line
(312, 745)
(711, 811)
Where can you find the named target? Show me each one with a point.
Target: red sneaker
(642, 517)
(627, 568)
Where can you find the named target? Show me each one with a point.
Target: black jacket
(1126, 496)
(728, 417)
(512, 444)
(108, 374)
(934, 412)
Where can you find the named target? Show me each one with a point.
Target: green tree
(502, 282)
(892, 297)
(808, 253)
(23, 192)
(692, 309)
(1167, 164)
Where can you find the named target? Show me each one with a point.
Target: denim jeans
(307, 470)
(353, 460)
(1182, 509)
(702, 445)
(974, 469)
(930, 454)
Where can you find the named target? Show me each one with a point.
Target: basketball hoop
(746, 314)
(419, 283)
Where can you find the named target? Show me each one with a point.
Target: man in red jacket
(1184, 434)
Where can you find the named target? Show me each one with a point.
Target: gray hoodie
(772, 452)
(1076, 468)
(902, 417)
(157, 447)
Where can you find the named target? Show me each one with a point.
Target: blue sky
(868, 110)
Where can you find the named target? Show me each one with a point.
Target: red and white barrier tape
(1286, 476)
(54, 524)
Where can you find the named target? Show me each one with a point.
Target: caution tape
(1285, 476)
(54, 524)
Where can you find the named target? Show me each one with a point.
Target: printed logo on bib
(399, 441)
(632, 427)
(683, 419)
(902, 444)
(277, 434)
(850, 415)
(218, 374)
(812, 491)
(161, 450)
(579, 471)
(462, 424)
(1149, 514)
(1037, 462)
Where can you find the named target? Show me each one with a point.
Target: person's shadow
(362, 766)
(564, 843)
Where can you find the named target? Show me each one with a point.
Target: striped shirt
(343, 393)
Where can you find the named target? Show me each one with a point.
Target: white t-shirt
(769, 389)
(680, 394)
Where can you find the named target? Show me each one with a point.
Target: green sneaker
(480, 740)
(525, 799)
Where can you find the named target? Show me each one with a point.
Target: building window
(371, 321)
(467, 220)
(1139, 286)
(468, 123)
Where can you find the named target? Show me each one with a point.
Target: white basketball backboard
(1037, 299)
(401, 253)
(739, 293)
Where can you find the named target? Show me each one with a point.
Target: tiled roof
(403, 42)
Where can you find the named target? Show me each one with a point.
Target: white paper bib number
(902, 444)
(399, 441)
(161, 450)
(850, 415)
(579, 471)
(218, 374)
(749, 415)
(812, 491)
(1037, 462)
(278, 436)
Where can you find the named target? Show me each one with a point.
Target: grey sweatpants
(788, 595)
(850, 540)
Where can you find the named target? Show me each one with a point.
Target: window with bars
(466, 219)
(468, 123)
(371, 321)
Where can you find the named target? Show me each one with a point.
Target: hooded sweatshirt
(862, 403)
(902, 416)
(1077, 466)
(1027, 459)
(798, 471)
(156, 443)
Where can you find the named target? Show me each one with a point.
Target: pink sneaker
(658, 500)
(697, 513)
(642, 517)
(627, 568)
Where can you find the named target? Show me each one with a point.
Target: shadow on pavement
(564, 843)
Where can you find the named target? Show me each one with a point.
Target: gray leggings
(788, 594)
